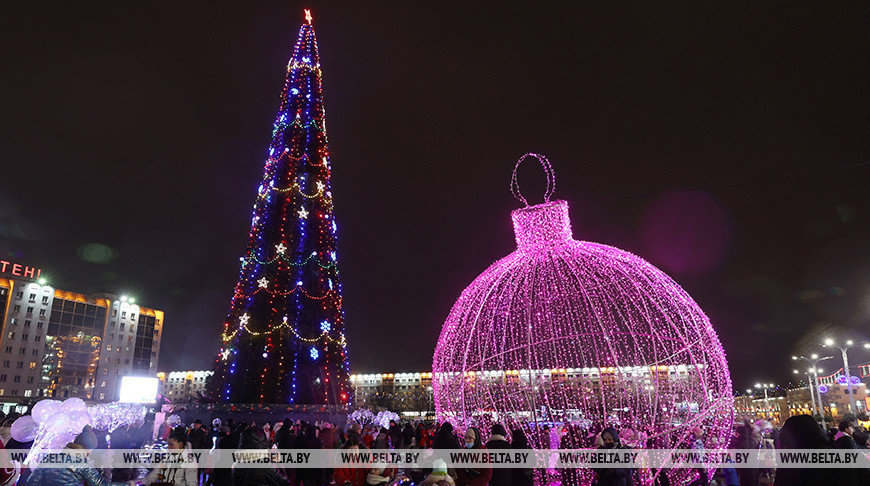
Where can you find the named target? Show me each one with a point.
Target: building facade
(183, 386)
(798, 401)
(60, 344)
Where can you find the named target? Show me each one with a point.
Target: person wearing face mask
(473, 476)
(612, 476)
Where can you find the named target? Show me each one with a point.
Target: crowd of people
(798, 432)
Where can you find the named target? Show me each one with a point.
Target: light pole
(814, 361)
(810, 386)
(845, 347)
(765, 386)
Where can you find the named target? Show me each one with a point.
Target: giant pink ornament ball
(573, 332)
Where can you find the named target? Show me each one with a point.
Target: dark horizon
(726, 146)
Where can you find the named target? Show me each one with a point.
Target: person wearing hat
(439, 475)
(498, 440)
(473, 476)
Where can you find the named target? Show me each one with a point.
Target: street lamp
(814, 361)
(765, 387)
(843, 348)
(810, 386)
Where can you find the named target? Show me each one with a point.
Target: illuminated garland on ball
(640, 351)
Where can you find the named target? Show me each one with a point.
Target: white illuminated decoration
(263, 283)
(138, 389)
(244, 319)
(320, 186)
(303, 213)
(226, 354)
(280, 248)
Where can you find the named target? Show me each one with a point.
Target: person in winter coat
(439, 476)
(197, 436)
(255, 438)
(446, 439)
(498, 441)
(473, 476)
(408, 436)
(746, 439)
(286, 436)
(223, 476)
(802, 432)
(85, 474)
(395, 432)
(521, 476)
(308, 440)
(843, 438)
(328, 436)
(185, 475)
(355, 433)
(383, 441)
(351, 476)
(616, 476)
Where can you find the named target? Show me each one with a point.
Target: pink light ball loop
(548, 171)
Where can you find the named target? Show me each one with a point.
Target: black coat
(802, 432)
(501, 476)
(265, 476)
(223, 476)
(198, 439)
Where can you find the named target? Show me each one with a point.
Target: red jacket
(356, 476)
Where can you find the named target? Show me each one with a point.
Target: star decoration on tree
(226, 354)
(244, 319)
(320, 186)
(303, 213)
(280, 248)
(263, 283)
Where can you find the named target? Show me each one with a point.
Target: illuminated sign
(138, 389)
(19, 270)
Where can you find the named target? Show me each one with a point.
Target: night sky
(727, 145)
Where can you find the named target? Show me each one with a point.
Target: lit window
(33, 365)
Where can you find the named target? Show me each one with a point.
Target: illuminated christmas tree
(283, 340)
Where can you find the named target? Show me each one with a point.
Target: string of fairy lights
(287, 302)
(558, 304)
